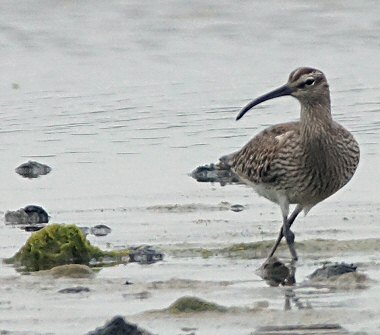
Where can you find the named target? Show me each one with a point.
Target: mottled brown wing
(254, 162)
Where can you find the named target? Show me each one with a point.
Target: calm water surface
(124, 99)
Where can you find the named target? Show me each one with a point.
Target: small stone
(237, 208)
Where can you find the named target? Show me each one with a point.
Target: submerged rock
(339, 276)
(32, 169)
(274, 272)
(145, 255)
(215, 173)
(100, 230)
(330, 270)
(61, 244)
(194, 305)
(118, 326)
(31, 216)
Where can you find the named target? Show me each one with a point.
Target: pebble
(237, 208)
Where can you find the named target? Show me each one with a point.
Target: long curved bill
(279, 92)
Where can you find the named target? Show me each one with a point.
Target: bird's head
(306, 84)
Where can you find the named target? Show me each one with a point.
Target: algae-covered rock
(57, 245)
(194, 305)
(69, 271)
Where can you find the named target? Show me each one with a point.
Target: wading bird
(302, 162)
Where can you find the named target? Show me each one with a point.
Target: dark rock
(32, 169)
(118, 326)
(215, 173)
(145, 255)
(274, 272)
(76, 289)
(100, 230)
(36, 214)
(332, 270)
(30, 215)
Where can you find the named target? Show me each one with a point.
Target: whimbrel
(301, 162)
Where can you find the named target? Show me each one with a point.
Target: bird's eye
(309, 81)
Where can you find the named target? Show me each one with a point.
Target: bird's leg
(289, 236)
(289, 221)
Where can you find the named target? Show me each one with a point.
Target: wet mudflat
(123, 101)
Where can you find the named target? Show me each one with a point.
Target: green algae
(58, 245)
(194, 305)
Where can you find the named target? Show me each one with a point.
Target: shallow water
(123, 100)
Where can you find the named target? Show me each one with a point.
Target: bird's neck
(316, 124)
